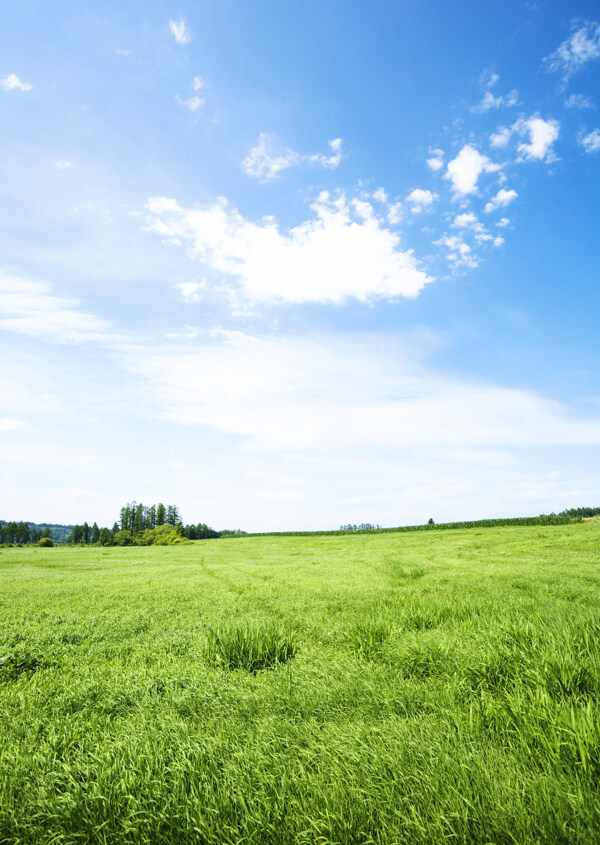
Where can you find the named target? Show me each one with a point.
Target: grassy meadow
(387, 688)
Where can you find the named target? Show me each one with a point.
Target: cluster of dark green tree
(136, 517)
(23, 532)
(143, 525)
(583, 512)
(200, 532)
(138, 524)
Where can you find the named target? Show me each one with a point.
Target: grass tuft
(12, 665)
(250, 646)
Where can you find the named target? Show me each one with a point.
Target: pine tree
(173, 516)
(138, 520)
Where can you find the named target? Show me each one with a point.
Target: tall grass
(249, 646)
(444, 687)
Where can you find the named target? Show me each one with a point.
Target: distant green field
(388, 688)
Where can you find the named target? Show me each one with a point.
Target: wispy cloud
(180, 31)
(29, 307)
(330, 161)
(488, 101)
(13, 83)
(579, 101)
(268, 158)
(192, 103)
(345, 250)
(582, 46)
(294, 394)
(9, 424)
(460, 253)
(62, 164)
(590, 141)
(190, 291)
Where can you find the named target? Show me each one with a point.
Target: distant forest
(143, 525)
(31, 532)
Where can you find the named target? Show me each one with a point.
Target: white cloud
(180, 31)
(436, 161)
(421, 200)
(393, 209)
(9, 424)
(13, 83)
(579, 101)
(192, 103)
(488, 101)
(268, 158)
(502, 199)
(576, 51)
(591, 141)
(30, 308)
(190, 291)
(542, 135)
(62, 164)
(330, 161)
(462, 221)
(294, 394)
(468, 221)
(460, 254)
(489, 79)
(465, 170)
(503, 222)
(394, 213)
(188, 333)
(501, 138)
(345, 250)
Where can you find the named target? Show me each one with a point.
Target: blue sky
(289, 265)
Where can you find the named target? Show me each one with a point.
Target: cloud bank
(345, 250)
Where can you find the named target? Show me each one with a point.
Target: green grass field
(397, 688)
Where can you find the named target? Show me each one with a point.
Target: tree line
(138, 524)
(22, 533)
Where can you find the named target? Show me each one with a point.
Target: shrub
(123, 538)
(162, 535)
(45, 543)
